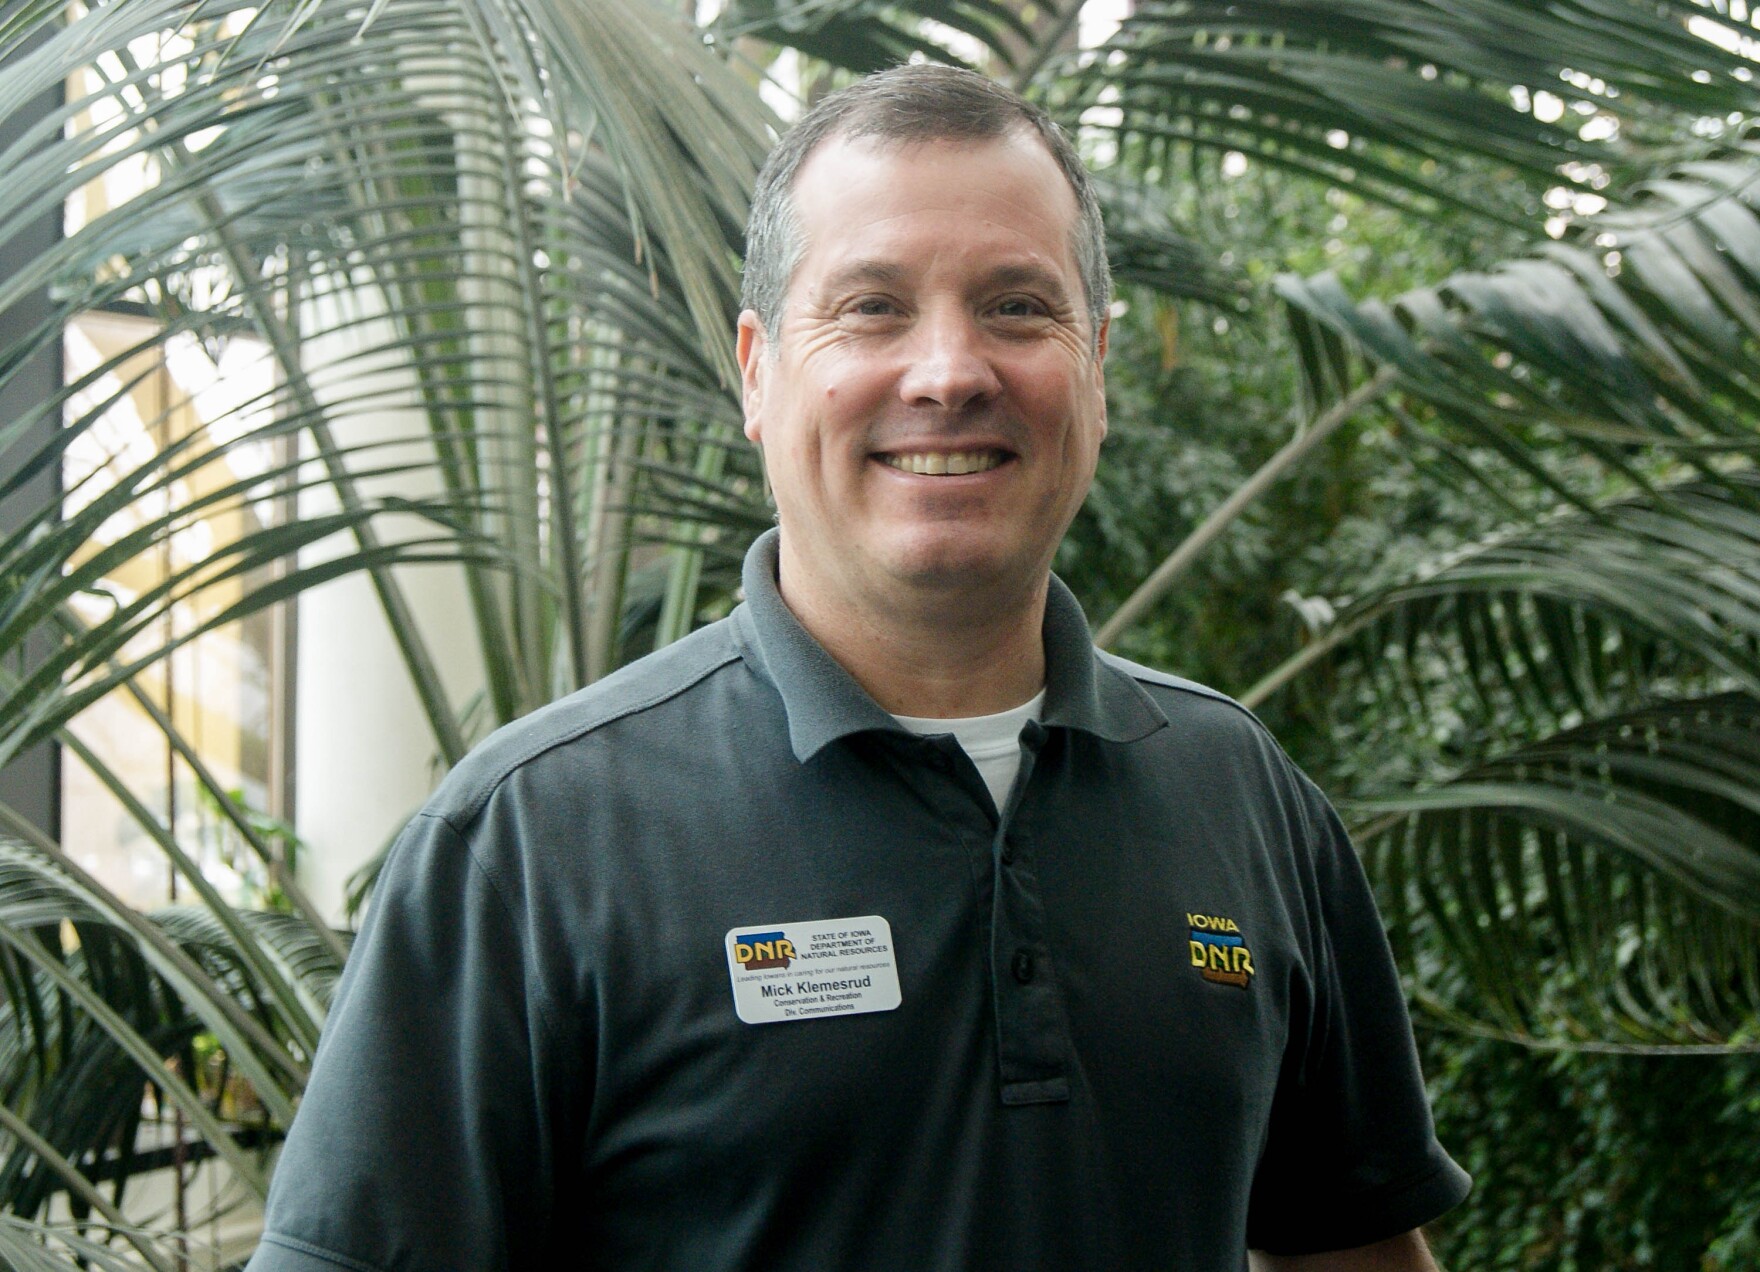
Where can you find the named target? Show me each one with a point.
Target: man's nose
(950, 366)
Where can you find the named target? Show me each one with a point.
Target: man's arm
(424, 1138)
(1404, 1253)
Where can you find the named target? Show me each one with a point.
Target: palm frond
(89, 1027)
(1600, 887)
(354, 204)
(1146, 247)
(871, 35)
(44, 1247)
(1387, 96)
(1639, 331)
(1594, 881)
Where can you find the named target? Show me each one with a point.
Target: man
(885, 925)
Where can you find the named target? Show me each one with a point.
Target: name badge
(801, 971)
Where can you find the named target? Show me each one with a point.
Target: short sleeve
(422, 1140)
(1351, 1156)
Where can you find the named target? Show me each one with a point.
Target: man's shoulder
(1208, 721)
(1171, 691)
(1225, 740)
(641, 686)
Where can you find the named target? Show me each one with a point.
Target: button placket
(1032, 1033)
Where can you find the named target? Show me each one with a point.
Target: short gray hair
(909, 104)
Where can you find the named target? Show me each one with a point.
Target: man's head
(928, 386)
(906, 105)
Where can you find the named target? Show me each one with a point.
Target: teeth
(945, 463)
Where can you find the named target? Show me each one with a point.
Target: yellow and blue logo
(756, 950)
(1219, 952)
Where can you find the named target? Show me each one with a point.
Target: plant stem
(1161, 580)
(1300, 661)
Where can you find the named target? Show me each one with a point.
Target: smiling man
(931, 406)
(886, 925)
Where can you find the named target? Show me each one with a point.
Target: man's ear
(751, 348)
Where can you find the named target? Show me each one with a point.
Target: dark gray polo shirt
(1145, 1017)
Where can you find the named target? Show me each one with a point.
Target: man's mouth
(946, 463)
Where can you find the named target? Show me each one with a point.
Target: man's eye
(1019, 307)
(873, 307)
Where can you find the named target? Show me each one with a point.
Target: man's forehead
(905, 151)
(838, 180)
(825, 203)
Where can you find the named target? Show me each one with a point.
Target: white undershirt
(993, 741)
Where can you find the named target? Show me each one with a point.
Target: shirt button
(940, 761)
(1008, 852)
(1023, 966)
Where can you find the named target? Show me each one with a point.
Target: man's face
(932, 405)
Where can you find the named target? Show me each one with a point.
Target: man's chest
(1101, 984)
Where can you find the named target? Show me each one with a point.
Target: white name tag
(800, 971)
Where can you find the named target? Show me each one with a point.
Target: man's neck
(937, 658)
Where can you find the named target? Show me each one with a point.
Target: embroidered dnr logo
(757, 950)
(1218, 950)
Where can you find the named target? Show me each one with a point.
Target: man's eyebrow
(1036, 277)
(868, 272)
(862, 272)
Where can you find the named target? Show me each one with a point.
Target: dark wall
(30, 784)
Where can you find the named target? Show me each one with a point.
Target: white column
(364, 755)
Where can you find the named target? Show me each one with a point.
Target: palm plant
(508, 229)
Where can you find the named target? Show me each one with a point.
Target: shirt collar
(824, 703)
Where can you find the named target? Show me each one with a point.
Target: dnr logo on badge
(755, 950)
(1218, 952)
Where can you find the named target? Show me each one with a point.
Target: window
(221, 690)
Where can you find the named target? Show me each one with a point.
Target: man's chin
(959, 572)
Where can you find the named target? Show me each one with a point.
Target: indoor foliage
(517, 225)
